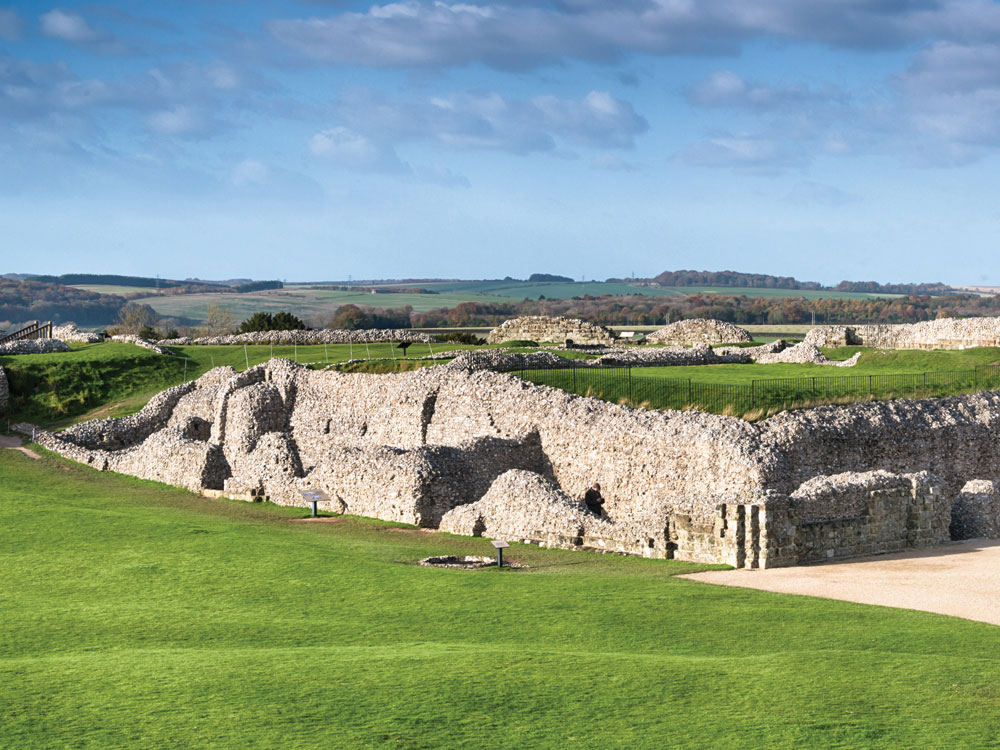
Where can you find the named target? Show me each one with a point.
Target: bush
(280, 321)
(460, 337)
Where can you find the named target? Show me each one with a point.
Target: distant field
(112, 289)
(566, 290)
(305, 302)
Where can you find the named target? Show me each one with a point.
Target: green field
(114, 289)
(566, 290)
(112, 379)
(305, 302)
(141, 616)
(308, 302)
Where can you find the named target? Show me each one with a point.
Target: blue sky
(829, 139)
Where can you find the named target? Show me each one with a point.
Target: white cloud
(488, 120)
(952, 93)
(354, 151)
(250, 173)
(724, 88)
(520, 36)
(736, 150)
(70, 27)
(182, 122)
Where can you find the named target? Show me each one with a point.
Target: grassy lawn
(141, 616)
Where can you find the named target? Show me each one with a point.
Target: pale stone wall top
(699, 331)
(548, 328)
(947, 333)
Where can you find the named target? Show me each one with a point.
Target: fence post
(689, 391)
(753, 392)
(870, 388)
(975, 378)
(628, 370)
(573, 367)
(925, 383)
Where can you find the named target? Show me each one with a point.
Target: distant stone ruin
(69, 333)
(322, 336)
(485, 453)
(33, 346)
(544, 328)
(947, 333)
(699, 331)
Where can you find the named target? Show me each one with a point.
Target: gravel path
(14, 443)
(960, 579)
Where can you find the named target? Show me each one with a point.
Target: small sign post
(500, 546)
(403, 346)
(314, 497)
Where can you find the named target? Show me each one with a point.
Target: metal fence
(630, 385)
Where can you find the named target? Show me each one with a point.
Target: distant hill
(548, 277)
(766, 281)
(107, 279)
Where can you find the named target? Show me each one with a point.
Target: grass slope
(140, 616)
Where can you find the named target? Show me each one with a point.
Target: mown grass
(141, 616)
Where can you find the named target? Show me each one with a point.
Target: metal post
(326, 353)
(246, 356)
(295, 345)
(499, 557)
(313, 503)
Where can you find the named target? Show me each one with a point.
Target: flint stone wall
(549, 328)
(4, 389)
(699, 331)
(413, 446)
(947, 333)
(128, 338)
(33, 346)
(324, 336)
(976, 512)
(70, 333)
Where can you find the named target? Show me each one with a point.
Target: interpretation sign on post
(314, 497)
(501, 546)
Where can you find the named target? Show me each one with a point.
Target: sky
(326, 139)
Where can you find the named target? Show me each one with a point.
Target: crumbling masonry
(486, 453)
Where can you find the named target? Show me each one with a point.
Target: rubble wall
(549, 328)
(947, 333)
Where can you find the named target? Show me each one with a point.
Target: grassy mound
(140, 616)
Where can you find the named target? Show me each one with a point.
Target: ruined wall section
(549, 328)
(4, 389)
(956, 438)
(699, 331)
(976, 511)
(947, 333)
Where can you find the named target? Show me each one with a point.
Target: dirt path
(960, 579)
(14, 443)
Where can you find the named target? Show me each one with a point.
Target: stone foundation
(553, 329)
(699, 331)
(947, 333)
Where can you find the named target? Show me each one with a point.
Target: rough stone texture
(324, 336)
(807, 353)
(70, 333)
(33, 346)
(947, 333)
(548, 328)
(699, 331)
(976, 512)
(4, 389)
(499, 360)
(414, 446)
(128, 338)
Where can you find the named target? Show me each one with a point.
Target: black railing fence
(630, 385)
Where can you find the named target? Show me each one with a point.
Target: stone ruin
(4, 389)
(322, 336)
(69, 333)
(544, 328)
(699, 331)
(486, 453)
(33, 346)
(947, 333)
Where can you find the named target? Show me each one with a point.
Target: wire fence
(763, 396)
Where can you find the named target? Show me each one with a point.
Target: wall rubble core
(947, 333)
(551, 329)
(486, 453)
